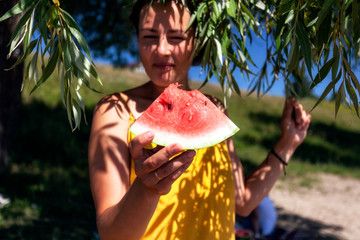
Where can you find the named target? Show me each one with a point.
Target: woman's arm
(250, 191)
(124, 211)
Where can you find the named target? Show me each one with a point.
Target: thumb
(139, 142)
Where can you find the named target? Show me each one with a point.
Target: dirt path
(329, 209)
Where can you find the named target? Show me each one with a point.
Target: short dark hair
(139, 4)
(135, 19)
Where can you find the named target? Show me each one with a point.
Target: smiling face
(165, 48)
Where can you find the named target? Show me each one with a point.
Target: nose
(163, 48)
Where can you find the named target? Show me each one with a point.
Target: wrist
(284, 149)
(144, 192)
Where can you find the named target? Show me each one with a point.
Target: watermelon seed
(169, 106)
(205, 103)
(190, 117)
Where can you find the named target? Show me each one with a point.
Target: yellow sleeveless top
(201, 203)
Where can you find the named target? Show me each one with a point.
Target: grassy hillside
(47, 182)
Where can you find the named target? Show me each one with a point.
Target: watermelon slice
(185, 117)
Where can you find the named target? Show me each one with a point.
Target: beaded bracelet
(280, 159)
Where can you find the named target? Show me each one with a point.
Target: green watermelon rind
(206, 139)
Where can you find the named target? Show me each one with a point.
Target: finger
(138, 143)
(156, 160)
(164, 186)
(299, 113)
(172, 166)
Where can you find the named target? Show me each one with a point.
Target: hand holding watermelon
(158, 168)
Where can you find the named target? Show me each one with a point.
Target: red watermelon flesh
(185, 117)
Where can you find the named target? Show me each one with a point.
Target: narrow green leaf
(69, 19)
(222, 76)
(69, 107)
(302, 36)
(49, 69)
(33, 74)
(339, 98)
(354, 79)
(216, 12)
(323, 72)
(218, 51)
(244, 50)
(81, 40)
(19, 29)
(290, 16)
(21, 6)
(246, 12)
(239, 64)
(17, 40)
(231, 9)
(75, 31)
(350, 90)
(312, 22)
(207, 79)
(192, 20)
(231, 79)
(324, 12)
(336, 56)
(286, 6)
(292, 60)
(329, 87)
(29, 30)
(76, 112)
(25, 54)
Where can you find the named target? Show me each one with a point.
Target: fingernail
(176, 148)
(149, 135)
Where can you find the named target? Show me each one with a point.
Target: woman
(141, 193)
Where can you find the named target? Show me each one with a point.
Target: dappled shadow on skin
(328, 143)
(47, 181)
(248, 165)
(306, 228)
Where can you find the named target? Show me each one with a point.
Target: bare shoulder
(113, 102)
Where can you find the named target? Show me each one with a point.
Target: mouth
(163, 66)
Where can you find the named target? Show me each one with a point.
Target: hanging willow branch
(60, 45)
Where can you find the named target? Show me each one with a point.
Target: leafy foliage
(323, 36)
(59, 38)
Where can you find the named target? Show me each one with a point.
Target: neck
(155, 91)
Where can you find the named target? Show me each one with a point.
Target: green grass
(48, 183)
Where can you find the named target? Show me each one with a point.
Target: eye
(149, 37)
(178, 38)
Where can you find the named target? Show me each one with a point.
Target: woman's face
(165, 48)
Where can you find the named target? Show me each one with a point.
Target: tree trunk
(10, 85)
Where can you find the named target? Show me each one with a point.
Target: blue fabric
(267, 217)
